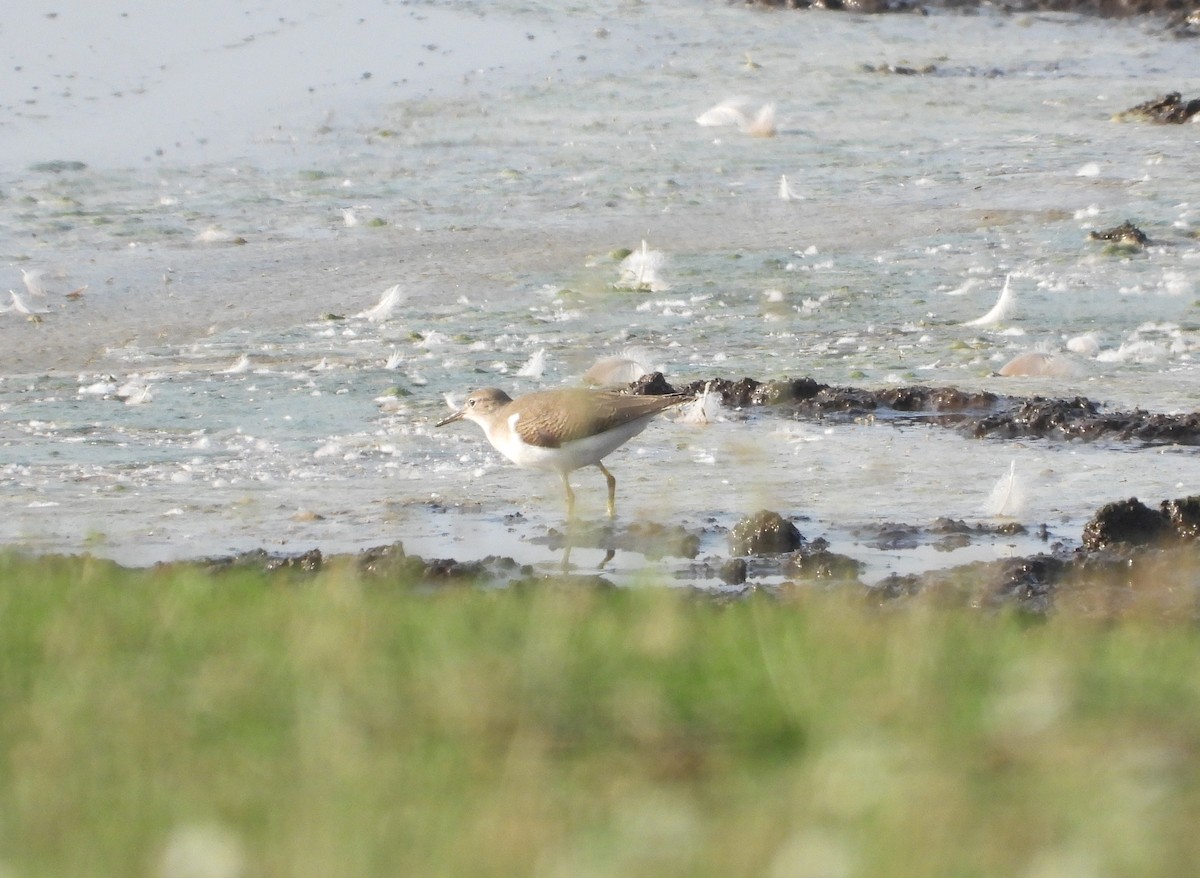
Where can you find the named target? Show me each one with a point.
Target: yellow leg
(570, 497)
(612, 490)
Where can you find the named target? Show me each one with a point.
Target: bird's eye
(470, 402)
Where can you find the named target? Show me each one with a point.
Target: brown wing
(553, 417)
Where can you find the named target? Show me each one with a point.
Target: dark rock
(764, 533)
(1128, 521)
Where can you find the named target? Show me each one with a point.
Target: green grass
(333, 725)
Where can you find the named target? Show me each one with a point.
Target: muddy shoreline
(1136, 560)
(1132, 557)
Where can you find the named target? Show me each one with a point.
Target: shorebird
(562, 430)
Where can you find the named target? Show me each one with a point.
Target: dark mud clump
(654, 384)
(1134, 559)
(977, 413)
(377, 564)
(1177, 12)
(1080, 418)
(390, 564)
(256, 560)
(806, 396)
(764, 533)
(1128, 521)
(1169, 109)
(1133, 523)
(1126, 236)
(766, 546)
(1026, 584)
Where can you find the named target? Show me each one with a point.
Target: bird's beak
(451, 419)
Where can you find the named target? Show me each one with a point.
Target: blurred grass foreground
(173, 723)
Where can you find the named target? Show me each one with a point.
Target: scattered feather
(763, 123)
(34, 282)
(395, 358)
(349, 218)
(387, 306)
(628, 366)
(968, 285)
(640, 271)
(736, 111)
(732, 111)
(242, 365)
(786, 192)
(704, 409)
(106, 386)
(134, 393)
(534, 366)
(1003, 307)
(22, 307)
(1006, 498)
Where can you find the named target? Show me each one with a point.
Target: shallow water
(495, 193)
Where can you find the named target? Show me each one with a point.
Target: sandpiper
(562, 430)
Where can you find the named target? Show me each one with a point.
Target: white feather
(33, 282)
(731, 111)
(629, 365)
(21, 306)
(640, 271)
(1006, 498)
(392, 297)
(763, 123)
(534, 366)
(1001, 310)
(968, 285)
(704, 409)
(242, 365)
(786, 192)
(736, 111)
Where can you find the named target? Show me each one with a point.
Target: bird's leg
(570, 497)
(612, 490)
